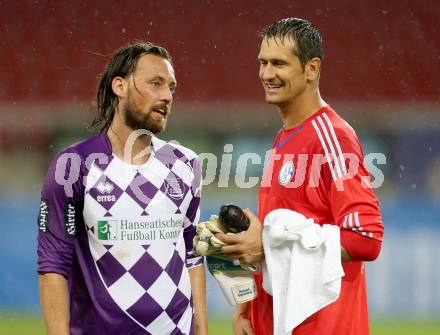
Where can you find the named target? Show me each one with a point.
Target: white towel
(302, 269)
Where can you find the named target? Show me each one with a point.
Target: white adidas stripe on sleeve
(324, 146)
(356, 226)
(330, 145)
(335, 139)
(332, 149)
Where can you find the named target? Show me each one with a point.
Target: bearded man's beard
(135, 119)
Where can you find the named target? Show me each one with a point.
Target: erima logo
(286, 173)
(105, 188)
(69, 220)
(43, 218)
(107, 230)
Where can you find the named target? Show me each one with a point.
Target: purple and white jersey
(122, 235)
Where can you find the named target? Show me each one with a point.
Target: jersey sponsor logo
(174, 188)
(105, 188)
(145, 230)
(43, 216)
(69, 220)
(107, 230)
(286, 173)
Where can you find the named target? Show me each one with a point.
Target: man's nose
(267, 73)
(167, 95)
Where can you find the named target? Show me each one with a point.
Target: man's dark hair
(122, 64)
(307, 38)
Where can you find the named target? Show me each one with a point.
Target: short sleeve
(193, 216)
(60, 207)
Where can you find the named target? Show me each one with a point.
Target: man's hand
(241, 323)
(242, 326)
(247, 247)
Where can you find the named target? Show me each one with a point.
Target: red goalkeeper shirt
(317, 169)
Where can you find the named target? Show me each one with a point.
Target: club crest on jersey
(174, 188)
(286, 173)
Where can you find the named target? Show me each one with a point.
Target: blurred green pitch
(14, 324)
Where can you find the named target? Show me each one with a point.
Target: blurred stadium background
(380, 72)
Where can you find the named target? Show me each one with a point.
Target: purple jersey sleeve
(193, 215)
(60, 207)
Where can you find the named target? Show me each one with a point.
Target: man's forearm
(242, 319)
(55, 303)
(198, 288)
(359, 247)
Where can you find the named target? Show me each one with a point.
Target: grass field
(33, 325)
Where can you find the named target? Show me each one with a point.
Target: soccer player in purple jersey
(118, 214)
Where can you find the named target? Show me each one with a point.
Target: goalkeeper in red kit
(333, 190)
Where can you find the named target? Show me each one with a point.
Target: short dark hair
(123, 63)
(307, 38)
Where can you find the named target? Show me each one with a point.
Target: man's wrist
(243, 311)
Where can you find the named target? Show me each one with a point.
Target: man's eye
(155, 83)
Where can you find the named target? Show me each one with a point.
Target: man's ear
(313, 68)
(119, 87)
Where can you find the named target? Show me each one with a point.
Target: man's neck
(124, 147)
(298, 110)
